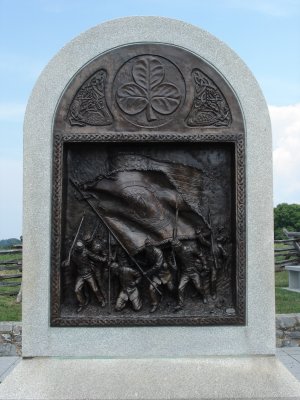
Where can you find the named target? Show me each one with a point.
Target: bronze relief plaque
(148, 193)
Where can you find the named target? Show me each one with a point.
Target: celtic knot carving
(209, 107)
(89, 105)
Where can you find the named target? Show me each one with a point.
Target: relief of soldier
(191, 266)
(83, 260)
(114, 277)
(159, 273)
(129, 279)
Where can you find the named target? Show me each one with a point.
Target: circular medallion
(144, 206)
(149, 90)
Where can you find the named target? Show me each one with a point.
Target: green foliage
(286, 216)
(282, 279)
(11, 257)
(286, 301)
(7, 243)
(9, 309)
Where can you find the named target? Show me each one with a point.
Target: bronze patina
(148, 193)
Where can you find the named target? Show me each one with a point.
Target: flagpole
(176, 217)
(74, 241)
(175, 232)
(114, 236)
(212, 241)
(109, 273)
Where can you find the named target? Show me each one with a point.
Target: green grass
(9, 309)
(286, 301)
(282, 279)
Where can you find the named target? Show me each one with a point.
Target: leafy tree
(286, 216)
(7, 243)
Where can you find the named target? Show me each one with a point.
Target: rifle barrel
(76, 236)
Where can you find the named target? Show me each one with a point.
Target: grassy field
(286, 301)
(9, 309)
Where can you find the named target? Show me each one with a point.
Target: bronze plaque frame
(177, 71)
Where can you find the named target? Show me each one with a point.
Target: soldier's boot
(153, 308)
(83, 301)
(180, 301)
(179, 305)
(82, 305)
(100, 298)
(214, 290)
(203, 294)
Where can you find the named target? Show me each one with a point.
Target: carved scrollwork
(89, 105)
(210, 107)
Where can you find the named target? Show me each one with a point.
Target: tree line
(286, 216)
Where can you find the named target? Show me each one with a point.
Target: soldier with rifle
(129, 279)
(191, 267)
(214, 265)
(122, 246)
(101, 265)
(159, 273)
(82, 258)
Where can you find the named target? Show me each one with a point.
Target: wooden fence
(287, 251)
(11, 272)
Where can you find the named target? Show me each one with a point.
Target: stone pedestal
(294, 277)
(173, 378)
(157, 362)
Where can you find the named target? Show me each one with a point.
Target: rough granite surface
(189, 378)
(39, 339)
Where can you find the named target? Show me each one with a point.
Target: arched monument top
(129, 30)
(56, 125)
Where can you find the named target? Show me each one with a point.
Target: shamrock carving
(148, 91)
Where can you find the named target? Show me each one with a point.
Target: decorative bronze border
(240, 212)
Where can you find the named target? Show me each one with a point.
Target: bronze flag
(137, 200)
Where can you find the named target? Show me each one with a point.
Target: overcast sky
(264, 33)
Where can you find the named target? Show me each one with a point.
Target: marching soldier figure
(100, 267)
(189, 263)
(207, 260)
(129, 279)
(82, 259)
(159, 273)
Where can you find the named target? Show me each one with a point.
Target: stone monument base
(181, 378)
